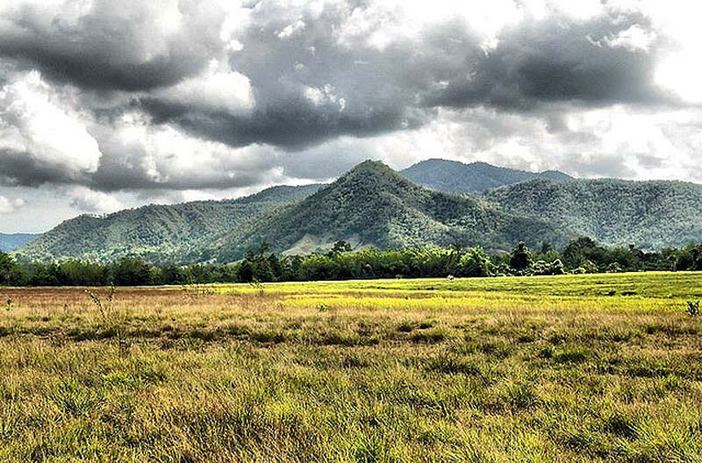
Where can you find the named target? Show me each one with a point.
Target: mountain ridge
(11, 241)
(473, 178)
(157, 232)
(650, 214)
(373, 205)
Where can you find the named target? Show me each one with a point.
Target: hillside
(648, 214)
(374, 205)
(174, 233)
(10, 242)
(477, 177)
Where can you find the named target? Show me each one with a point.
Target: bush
(587, 267)
(544, 268)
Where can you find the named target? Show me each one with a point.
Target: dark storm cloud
(371, 90)
(294, 123)
(112, 46)
(363, 90)
(399, 86)
(551, 62)
(309, 84)
(92, 69)
(20, 169)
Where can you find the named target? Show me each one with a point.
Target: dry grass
(540, 369)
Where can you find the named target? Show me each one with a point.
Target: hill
(651, 214)
(10, 242)
(372, 205)
(477, 177)
(159, 233)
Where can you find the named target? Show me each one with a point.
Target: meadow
(587, 368)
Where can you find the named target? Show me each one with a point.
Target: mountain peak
(373, 205)
(374, 175)
(476, 177)
(370, 166)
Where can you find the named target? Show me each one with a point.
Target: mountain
(10, 242)
(372, 205)
(650, 214)
(158, 233)
(477, 177)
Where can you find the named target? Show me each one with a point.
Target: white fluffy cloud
(163, 156)
(38, 123)
(635, 38)
(215, 89)
(86, 200)
(615, 141)
(8, 205)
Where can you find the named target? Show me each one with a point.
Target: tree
(246, 272)
(520, 259)
(587, 267)
(474, 263)
(173, 275)
(256, 266)
(340, 247)
(7, 269)
(581, 249)
(131, 271)
(689, 258)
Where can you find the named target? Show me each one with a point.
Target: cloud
(141, 155)
(176, 99)
(41, 135)
(87, 200)
(106, 45)
(343, 69)
(8, 205)
(216, 89)
(291, 30)
(635, 38)
(298, 74)
(554, 61)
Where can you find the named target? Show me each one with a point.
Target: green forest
(260, 264)
(375, 206)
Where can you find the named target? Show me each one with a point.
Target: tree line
(582, 255)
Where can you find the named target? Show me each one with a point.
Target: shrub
(541, 267)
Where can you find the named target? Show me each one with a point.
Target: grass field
(602, 368)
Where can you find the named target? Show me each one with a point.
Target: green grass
(648, 284)
(578, 368)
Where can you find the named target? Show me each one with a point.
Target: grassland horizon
(582, 368)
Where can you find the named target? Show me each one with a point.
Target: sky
(111, 104)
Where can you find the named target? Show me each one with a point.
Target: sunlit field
(546, 369)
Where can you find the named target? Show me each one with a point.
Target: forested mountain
(374, 205)
(10, 242)
(158, 233)
(477, 177)
(650, 214)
